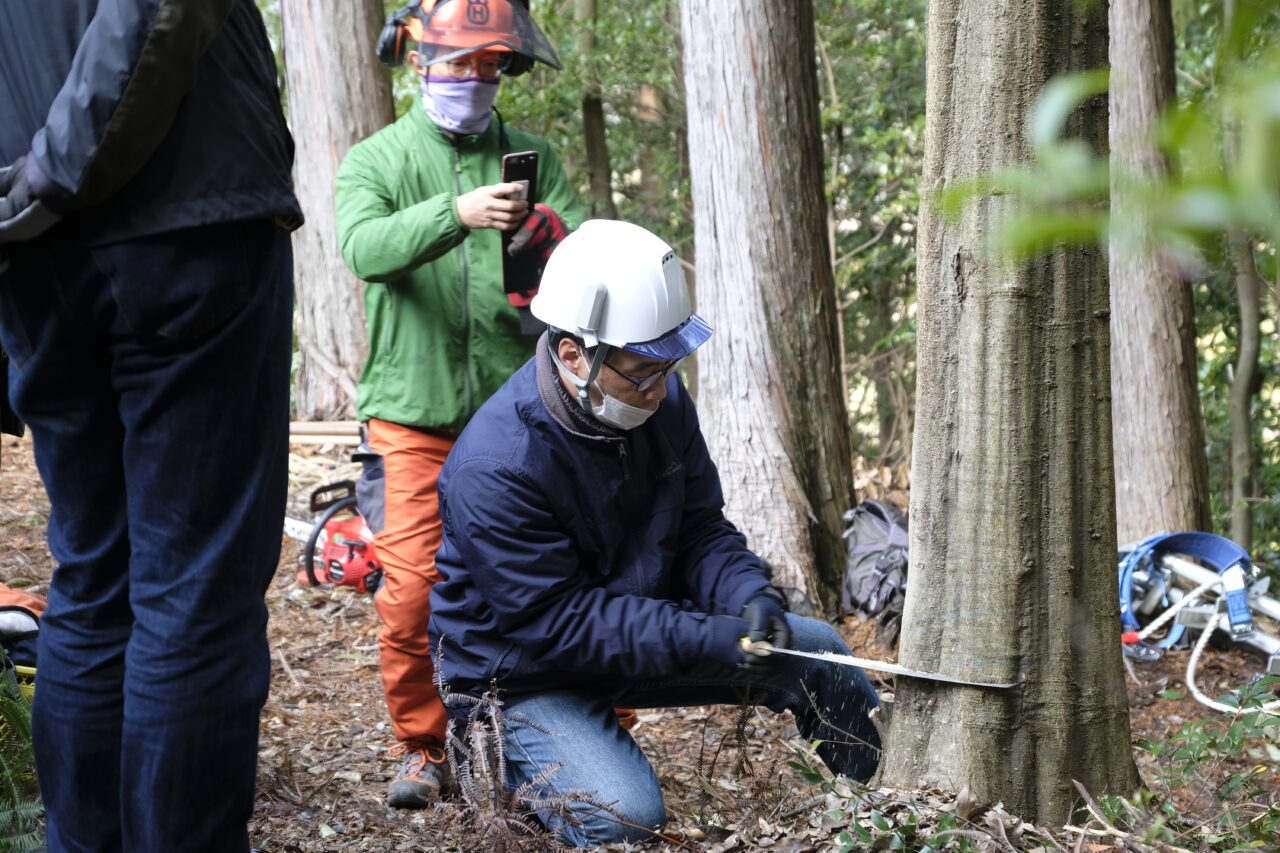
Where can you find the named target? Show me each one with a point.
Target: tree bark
(1246, 378)
(595, 137)
(772, 402)
(1161, 470)
(1244, 385)
(1013, 560)
(338, 94)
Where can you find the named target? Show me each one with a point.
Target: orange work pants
(411, 533)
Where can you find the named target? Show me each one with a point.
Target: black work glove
(22, 215)
(724, 643)
(766, 620)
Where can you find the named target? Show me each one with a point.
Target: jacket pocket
(183, 285)
(505, 664)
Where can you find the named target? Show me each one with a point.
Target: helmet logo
(478, 12)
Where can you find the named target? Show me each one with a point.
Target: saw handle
(762, 648)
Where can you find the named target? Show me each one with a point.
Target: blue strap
(1217, 551)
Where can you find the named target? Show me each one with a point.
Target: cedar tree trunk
(338, 94)
(1161, 469)
(770, 392)
(1013, 554)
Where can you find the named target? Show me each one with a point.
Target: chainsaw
(339, 548)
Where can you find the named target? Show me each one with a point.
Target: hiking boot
(424, 775)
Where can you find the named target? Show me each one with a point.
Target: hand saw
(761, 647)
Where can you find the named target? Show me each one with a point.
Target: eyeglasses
(646, 383)
(479, 66)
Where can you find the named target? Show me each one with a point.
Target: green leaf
(326, 831)
(879, 821)
(1171, 694)
(1058, 100)
(1023, 237)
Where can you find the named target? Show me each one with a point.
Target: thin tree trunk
(595, 138)
(1013, 572)
(1161, 469)
(1244, 385)
(338, 94)
(653, 197)
(772, 402)
(1246, 378)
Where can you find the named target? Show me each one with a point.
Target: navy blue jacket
(143, 116)
(574, 554)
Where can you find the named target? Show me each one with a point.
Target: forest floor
(727, 773)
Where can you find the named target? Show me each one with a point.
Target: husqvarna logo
(478, 12)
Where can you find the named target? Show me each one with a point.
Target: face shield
(677, 343)
(453, 28)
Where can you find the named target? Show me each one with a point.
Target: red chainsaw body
(348, 556)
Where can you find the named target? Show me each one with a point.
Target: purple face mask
(459, 105)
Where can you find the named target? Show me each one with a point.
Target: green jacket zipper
(466, 294)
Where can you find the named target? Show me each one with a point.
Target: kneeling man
(587, 563)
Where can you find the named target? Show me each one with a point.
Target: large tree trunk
(772, 402)
(595, 138)
(1161, 469)
(338, 94)
(1013, 560)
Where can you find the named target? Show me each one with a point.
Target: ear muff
(518, 63)
(394, 39)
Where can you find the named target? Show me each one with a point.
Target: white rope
(1219, 621)
(1173, 611)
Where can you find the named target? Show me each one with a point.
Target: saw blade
(878, 666)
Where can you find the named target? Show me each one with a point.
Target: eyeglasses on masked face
(484, 65)
(646, 382)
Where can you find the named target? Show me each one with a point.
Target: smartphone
(522, 168)
(521, 273)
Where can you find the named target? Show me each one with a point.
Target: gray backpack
(875, 570)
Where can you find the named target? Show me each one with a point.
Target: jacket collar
(489, 136)
(563, 409)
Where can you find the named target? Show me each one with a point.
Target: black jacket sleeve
(134, 65)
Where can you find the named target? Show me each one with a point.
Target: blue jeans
(578, 730)
(154, 376)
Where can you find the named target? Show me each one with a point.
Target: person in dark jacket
(145, 304)
(587, 563)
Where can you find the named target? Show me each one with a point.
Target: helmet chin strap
(602, 353)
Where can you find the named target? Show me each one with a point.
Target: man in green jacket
(421, 211)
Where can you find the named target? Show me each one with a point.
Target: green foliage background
(1201, 62)
(871, 81)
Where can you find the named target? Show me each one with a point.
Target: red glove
(541, 231)
(534, 241)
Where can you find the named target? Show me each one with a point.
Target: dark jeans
(154, 376)
(564, 741)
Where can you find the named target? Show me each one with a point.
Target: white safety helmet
(617, 284)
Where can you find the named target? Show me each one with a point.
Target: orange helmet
(447, 29)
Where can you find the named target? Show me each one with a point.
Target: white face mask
(618, 414)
